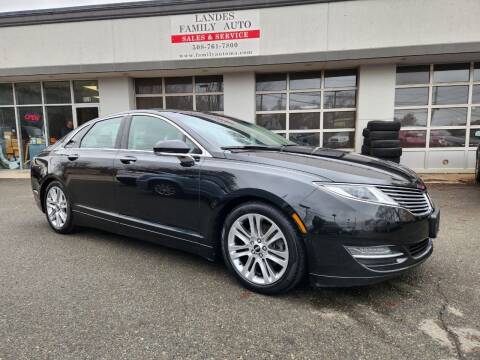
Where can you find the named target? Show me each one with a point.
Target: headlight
(359, 192)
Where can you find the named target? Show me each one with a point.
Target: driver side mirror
(176, 148)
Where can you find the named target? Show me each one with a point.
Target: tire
(385, 144)
(264, 276)
(61, 206)
(380, 135)
(386, 152)
(365, 150)
(378, 125)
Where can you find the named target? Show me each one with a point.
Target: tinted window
(102, 135)
(408, 75)
(57, 92)
(272, 121)
(209, 83)
(146, 131)
(450, 72)
(340, 78)
(443, 95)
(411, 117)
(304, 100)
(6, 94)
(179, 85)
(28, 93)
(271, 82)
(411, 96)
(305, 81)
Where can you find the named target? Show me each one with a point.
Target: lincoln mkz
(216, 186)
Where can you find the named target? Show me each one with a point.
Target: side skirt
(132, 227)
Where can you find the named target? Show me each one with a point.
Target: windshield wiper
(251, 147)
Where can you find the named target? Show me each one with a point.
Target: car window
(225, 131)
(103, 134)
(74, 141)
(146, 131)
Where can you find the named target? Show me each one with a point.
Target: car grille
(414, 200)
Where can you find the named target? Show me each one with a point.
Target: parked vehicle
(213, 185)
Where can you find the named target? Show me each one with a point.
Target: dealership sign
(215, 35)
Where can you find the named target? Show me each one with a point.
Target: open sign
(32, 117)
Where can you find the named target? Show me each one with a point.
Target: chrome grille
(414, 200)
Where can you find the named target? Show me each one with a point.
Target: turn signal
(299, 222)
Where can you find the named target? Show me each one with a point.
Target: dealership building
(314, 71)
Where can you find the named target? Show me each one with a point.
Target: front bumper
(341, 223)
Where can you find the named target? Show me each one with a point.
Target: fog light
(372, 252)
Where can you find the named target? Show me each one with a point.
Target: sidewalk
(14, 174)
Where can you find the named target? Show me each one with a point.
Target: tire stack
(381, 140)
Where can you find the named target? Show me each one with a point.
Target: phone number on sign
(213, 46)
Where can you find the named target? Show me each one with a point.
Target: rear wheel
(262, 248)
(57, 208)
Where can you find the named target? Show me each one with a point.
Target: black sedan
(212, 185)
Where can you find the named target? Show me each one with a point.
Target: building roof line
(139, 9)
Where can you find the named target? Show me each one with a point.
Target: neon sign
(32, 117)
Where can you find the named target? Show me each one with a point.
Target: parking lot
(93, 295)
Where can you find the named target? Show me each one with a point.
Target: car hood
(332, 165)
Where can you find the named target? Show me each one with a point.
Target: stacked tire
(381, 140)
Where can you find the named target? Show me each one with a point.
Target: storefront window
(28, 93)
(202, 93)
(411, 75)
(6, 94)
(9, 146)
(443, 73)
(57, 92)
(44, 112)
(433, 104)
(85, 114)
(60, 122)
(32, 132)
(86, 91)
(272, 121)
(310, 108)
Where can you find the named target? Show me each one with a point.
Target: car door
(157, 193)
(89, 167)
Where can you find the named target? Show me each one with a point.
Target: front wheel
(57, 208)
(262, 248)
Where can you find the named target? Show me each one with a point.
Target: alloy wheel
(57, 207)
(258, 249)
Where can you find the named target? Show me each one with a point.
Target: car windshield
(226, 132)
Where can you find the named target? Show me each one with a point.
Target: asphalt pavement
(94, 295)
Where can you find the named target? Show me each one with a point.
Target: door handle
(128, 159)
(72, 157)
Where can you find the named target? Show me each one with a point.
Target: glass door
(85, 114)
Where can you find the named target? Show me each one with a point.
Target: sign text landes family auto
(215, 34)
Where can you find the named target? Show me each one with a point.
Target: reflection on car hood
(333, 165)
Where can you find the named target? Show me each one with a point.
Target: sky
(22, 5)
